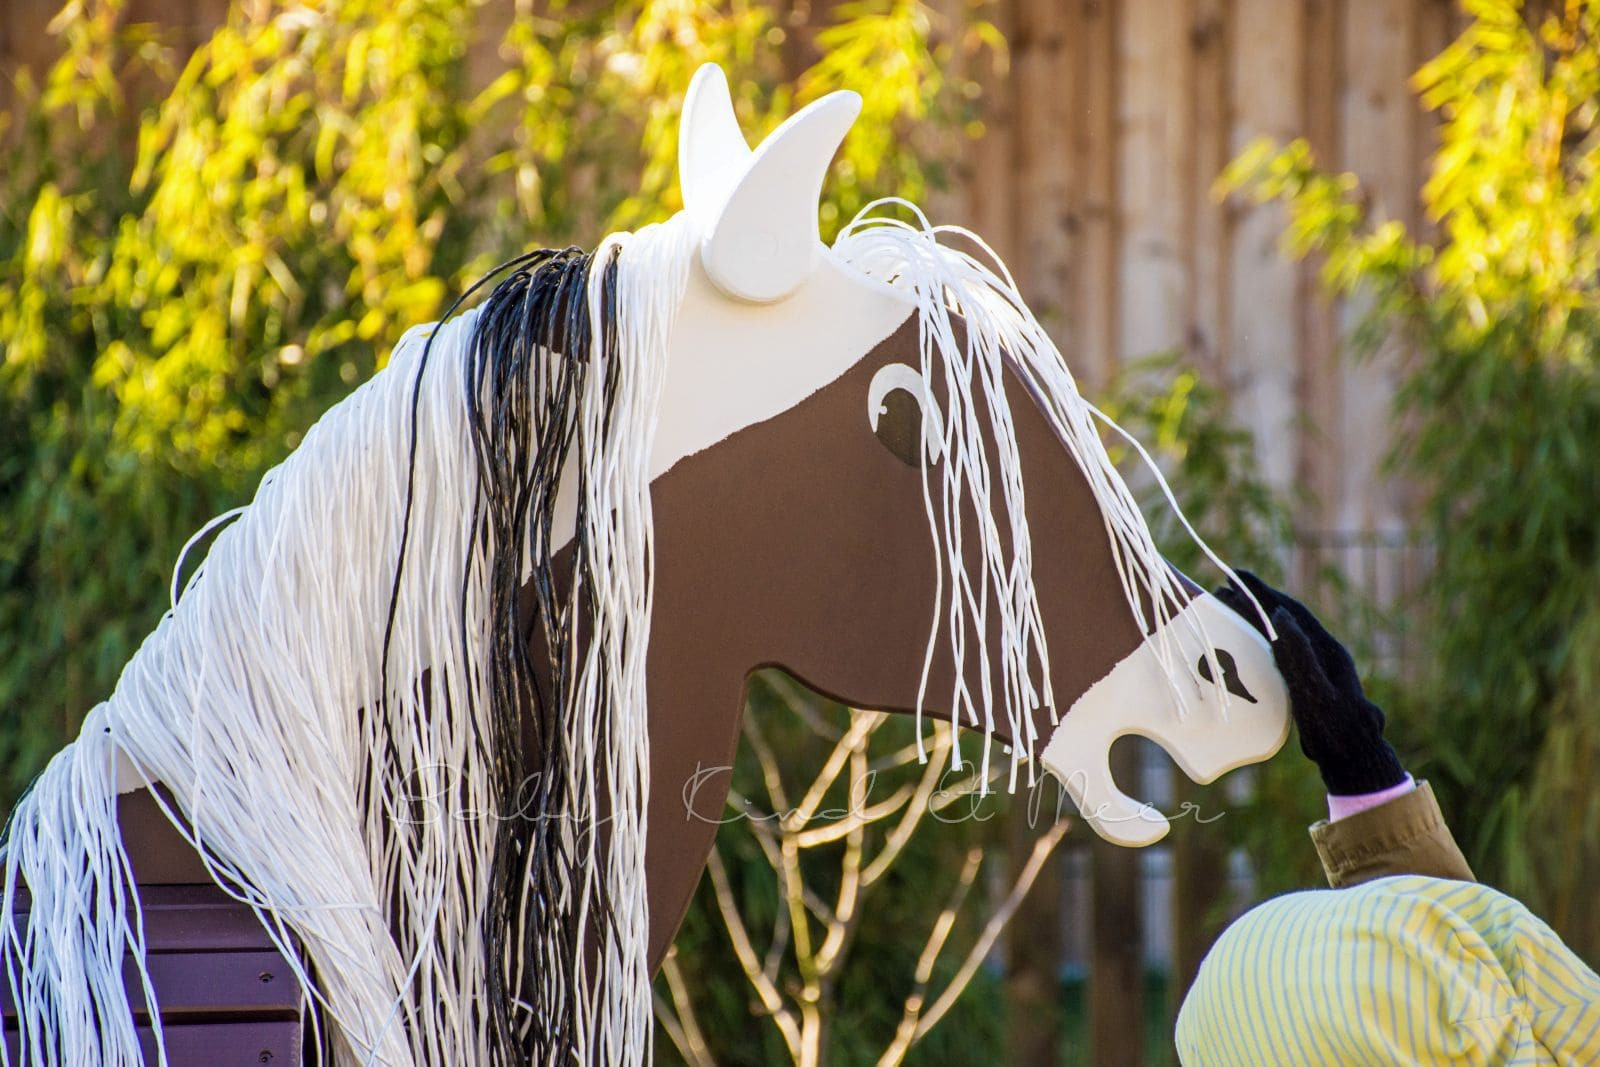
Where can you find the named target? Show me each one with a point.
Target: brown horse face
(804, 541)
(801, 489)
(814, 530)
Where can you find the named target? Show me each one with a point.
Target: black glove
(1341, 731)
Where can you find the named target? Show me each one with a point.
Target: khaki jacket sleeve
(1406, 835)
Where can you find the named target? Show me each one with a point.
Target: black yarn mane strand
(386, 778)
(531, 352)
(524, 379)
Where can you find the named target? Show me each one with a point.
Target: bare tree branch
(767, 990)
(1042, 848)
(769, 839)
(802, 702)
(907, 825)
(802, 1010)
(829, 832)
(862, 727)
(831, 952)
(678, 1018)
(906, 1033)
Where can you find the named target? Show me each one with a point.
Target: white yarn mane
(332, 821)
(974, 328)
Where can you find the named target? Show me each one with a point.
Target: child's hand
(1341, 731)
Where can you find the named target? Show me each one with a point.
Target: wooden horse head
(548, 544)
(804, 445)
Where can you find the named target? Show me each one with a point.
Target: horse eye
(1230, 674)
(900, 427)
(894, 410)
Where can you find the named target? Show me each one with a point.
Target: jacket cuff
(1406, 835)
(1342, 807)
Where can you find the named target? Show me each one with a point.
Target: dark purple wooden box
(225, 994)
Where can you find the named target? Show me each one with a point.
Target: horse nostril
(1230, 674)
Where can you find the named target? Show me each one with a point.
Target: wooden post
(1265, 64)
(1152, 97)
(1042, 72)
(1375, 113)
(1199, 891)
(1318, 396)
(1092, 347)
(1033, 942)
(1116, 953)
(1206, 229)
(992, 173)
(1039, 32)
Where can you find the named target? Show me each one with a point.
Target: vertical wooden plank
(7, 65)
(1041, 221)
(1152, 144)
(1116, 950)
(1041, 71)
(951, 203)
(1151, 149)
(1205, 233)
(993, 173)
(1318, 462)
(1264, 75)
(1375, 120)
(1094, 152)
(1199, 864)
(1433, 34)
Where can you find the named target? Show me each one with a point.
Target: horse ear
(765, 240)
(712, 152)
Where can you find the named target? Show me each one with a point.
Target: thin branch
(903, 756)
(906, 1033)
(780, 943)
(971, 784)
(833, 831)
(769, 765)
(1042, 848)
(801, 702)
(767, 990)
(849, 883)
(862, 726)
(794, 890)
(772, 851)
(788, 861)
(678, 1019)
(669, 1023)
(907, 825)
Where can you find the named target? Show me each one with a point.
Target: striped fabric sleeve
(1406, 970)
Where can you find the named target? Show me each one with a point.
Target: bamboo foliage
(1502, 403)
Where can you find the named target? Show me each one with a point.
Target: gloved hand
(1341, 731)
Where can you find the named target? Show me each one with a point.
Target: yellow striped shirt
(1404, 970)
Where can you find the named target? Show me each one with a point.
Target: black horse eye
(1230, 674)
(900, 426)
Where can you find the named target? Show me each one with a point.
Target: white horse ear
(764, 242)
(712, 152)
